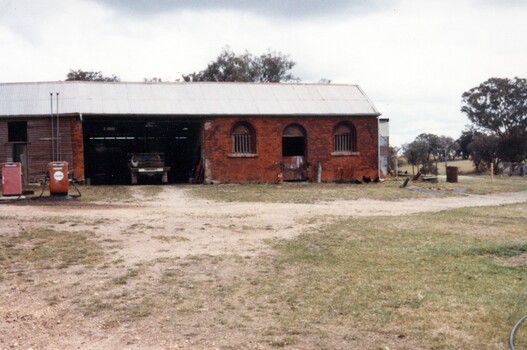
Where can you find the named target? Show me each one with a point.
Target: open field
(464, 167)
(328, 266)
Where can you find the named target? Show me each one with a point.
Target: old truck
(147, 165)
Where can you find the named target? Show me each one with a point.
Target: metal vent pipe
(58, 130)
(52, 128)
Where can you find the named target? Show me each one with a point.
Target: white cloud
(413, 58)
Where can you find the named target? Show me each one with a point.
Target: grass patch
(121, 280)
(481, 184)
(46, 248)
(426, 281)
(389, 190)
(149, 192)
(106, 193)
(119, 193)
(301, 192)
(504, 250)
(419, 275)
(168, 239)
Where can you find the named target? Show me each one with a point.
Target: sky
(413, 58)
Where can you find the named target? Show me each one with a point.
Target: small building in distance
(205, 132)
(384, 144)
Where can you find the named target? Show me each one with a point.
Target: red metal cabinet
(58, 178)
(11, 179)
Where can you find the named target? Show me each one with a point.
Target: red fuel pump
(58, 178)
(11, 179)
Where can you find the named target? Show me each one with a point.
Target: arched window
(243, 138)
(344, 138)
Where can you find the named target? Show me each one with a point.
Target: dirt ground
(53, 308)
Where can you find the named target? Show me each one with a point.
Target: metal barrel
(451, 173)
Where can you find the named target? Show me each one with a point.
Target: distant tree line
(82, 75)
(270, 67)
(497, 109)
(428, 149)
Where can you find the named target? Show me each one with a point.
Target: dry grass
(302, 192)
(430, 277)
(106, 193)
(421, 281)
(484, 185)
(447, 280)
(47, 249)
(308, 192)
(427, 281)
(465, 167)
(389, 190)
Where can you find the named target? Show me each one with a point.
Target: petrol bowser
(11, 179)
(58, 178)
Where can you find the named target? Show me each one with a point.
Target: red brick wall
(266, 165)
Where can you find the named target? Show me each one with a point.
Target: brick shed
(224, 132)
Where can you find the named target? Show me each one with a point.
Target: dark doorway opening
(294, 164)
(293, 146)
(109, 142)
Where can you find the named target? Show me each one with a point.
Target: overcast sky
(413, 58)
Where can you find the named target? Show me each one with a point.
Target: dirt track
(207, 227)
(170, 226)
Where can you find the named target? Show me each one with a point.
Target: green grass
(505, 250)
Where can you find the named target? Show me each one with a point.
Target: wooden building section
(35, 150)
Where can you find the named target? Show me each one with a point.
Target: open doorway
(109, 144)
(294, 145)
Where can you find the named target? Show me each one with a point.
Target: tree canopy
(498, 107)
(82, 75)
(484, 151)
(429, 148)
(432, 142)
(467, 136)
(416, 153)
(271, 67)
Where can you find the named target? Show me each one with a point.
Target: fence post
(491, 172)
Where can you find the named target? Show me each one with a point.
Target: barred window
(243, 139)
(343, 138)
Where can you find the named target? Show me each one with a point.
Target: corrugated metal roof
(184, 99)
